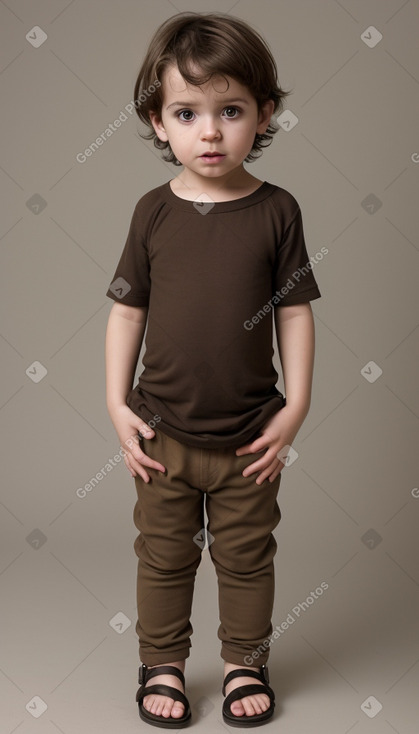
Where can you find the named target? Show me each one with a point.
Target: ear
(157, 123)
(265, 115)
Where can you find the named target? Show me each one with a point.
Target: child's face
(196, 120)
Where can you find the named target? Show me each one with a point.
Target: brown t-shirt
(211, 276)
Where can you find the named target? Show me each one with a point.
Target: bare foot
(250, 705)
(164, 705)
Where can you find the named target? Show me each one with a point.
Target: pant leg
(168, 514)
(241, 517)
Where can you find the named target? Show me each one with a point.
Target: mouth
(213, 156)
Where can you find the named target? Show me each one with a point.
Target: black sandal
(144, 675)
(247, 690)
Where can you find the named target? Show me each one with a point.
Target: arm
(295, 334)
(124, 337)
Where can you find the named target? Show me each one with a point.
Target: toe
(237, 708)
(178, 710)
(166, 709)
(260, 703)
(264, 702)
(249, 706)
(161, 705)
(148, 703)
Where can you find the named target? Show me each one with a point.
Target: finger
(256, 466)
(261, 464)
(142, 458)
(139, 469)
(135, 440)
(252, 448)
(243, 450)
(127, 464)
(267, 472)
(145, 430)
(134, 467)
(276, 472)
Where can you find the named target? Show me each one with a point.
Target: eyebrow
(197, 104)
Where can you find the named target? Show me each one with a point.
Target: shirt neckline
(218, 206)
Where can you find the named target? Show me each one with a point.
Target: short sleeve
(293, 280)
(131, 281)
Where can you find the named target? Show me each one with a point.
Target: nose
(210, 129)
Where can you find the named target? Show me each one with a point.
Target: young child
(211, 256)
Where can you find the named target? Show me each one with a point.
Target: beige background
(350, 502)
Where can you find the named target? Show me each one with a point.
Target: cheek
(244, 129)
(244, 136)
(183, 137)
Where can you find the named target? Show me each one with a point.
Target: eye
(234, 110)
(184, 112)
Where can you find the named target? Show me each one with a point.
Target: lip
(212, 156)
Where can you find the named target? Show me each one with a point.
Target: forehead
(217, 87)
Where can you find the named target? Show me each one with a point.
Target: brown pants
(170, 517)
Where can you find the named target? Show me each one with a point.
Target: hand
(128, 425)
(278, 432)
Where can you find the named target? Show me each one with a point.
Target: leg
(168, 513)
(242, 516)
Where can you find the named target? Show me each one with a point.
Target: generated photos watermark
(292, 617)
(113, 126)
(82, 492)
(295, 278)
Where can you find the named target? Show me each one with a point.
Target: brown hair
(216, 44)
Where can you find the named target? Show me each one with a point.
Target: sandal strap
(243, 673)
(145, 673)
(248, 690)
(162, 690)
